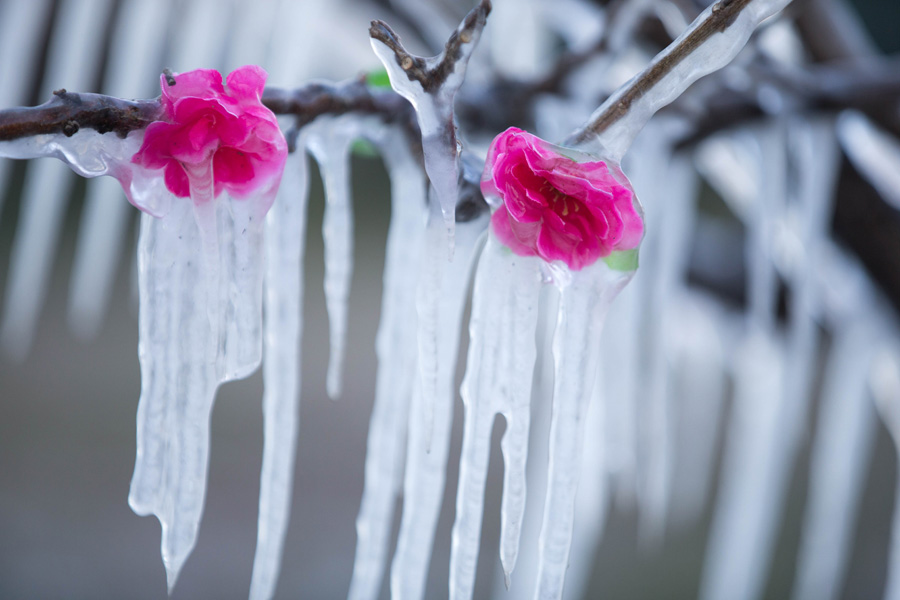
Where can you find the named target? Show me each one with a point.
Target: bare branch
(67, 112)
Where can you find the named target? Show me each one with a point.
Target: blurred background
(68, 405)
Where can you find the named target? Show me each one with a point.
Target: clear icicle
(178, 382)
(428, 298)
(498, 379)
(200, 324)
(396, 349)
(285, 242)
(428, 443)
(136, 50)
(840, 454)
(331, 148)
(584, 302)
(542, 393)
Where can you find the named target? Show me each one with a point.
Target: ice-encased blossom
(558, 203)
(206, 120)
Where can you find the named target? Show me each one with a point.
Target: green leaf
(378, 79)
(626, 260)
(363, 147)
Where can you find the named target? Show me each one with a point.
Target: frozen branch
(432, 74)
(711, 42)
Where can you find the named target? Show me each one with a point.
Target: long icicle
(396, 349)
(285, 241)
(428, 443)
(498, 378)
(583, 306)
(331, 148)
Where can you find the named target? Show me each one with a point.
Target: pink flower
(208, 124)
(558, 203)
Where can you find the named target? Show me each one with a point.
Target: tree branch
(67, 112)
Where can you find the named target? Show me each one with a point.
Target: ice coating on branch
(430, 84)
(396, 377)
(330, 143)
(283, 325)
(428, 442)
(498, 380)
(585, 299)
(713, 53)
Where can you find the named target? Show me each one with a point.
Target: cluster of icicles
(201, 279)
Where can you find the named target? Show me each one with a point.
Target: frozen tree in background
(516, 156)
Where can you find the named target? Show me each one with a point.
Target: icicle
(434, 109)
(840, 455)
(331, 148)
(584, 302)
(178, 382)
(285, 241)
(133, 59)
(428, 444)
(200, 324)
(428, 299)
(542, 394)
(498, 380)
(396, 349)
